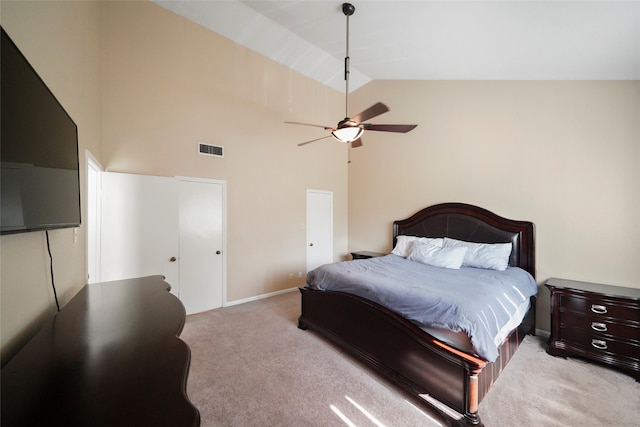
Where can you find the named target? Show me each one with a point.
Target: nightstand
(366, 254)
(596, 322)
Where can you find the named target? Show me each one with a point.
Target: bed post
(471, 417)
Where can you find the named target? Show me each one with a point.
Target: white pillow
(404, 244)
(436, 256)
(494, 256)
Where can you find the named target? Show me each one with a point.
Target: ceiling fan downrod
(348, 9)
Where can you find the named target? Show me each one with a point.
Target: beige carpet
(252, 366)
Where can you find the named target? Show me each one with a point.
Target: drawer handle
(599, 344)
(598, 309)
(600, 327)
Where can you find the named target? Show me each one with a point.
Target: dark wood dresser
(110, 357)
(596, 322)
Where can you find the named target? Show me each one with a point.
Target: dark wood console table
(110, 357)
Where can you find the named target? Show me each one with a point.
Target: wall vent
(210, 150)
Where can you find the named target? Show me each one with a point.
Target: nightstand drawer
(600, 326)
(600, 306)
(600, 344)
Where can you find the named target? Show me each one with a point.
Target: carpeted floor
(252, 366)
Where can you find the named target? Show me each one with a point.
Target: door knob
(218, 252)
(310, 244)
(172, 259)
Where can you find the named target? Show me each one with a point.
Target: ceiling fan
(350, 129)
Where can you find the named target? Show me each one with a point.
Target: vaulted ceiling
(434, 40)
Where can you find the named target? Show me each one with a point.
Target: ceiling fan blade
(373, 111)
(313, 140)
(389, 128)
(357, 143)
(309, 124)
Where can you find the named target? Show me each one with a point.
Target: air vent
(210, 150)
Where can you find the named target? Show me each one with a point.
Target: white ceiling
(434, 40)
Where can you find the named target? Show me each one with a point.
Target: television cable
(53, 285)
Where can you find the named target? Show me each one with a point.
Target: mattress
(483, 304)
(461, 341)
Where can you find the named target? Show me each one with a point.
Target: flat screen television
(40, 182)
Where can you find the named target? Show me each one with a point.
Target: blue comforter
(477, 301)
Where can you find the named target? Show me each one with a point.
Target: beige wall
(169, 83)
(61, 41)
(564, 155)
(144, 86)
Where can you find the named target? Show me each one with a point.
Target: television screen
(40, 182)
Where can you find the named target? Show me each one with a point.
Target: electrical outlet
(290, 276)
(299, 274)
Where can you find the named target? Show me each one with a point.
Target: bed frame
(447, 379)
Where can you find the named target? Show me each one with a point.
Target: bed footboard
(421, 365)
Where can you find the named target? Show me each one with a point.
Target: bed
(434, 372)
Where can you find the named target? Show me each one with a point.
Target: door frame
(94, 201)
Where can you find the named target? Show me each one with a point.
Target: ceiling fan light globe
(347, 134)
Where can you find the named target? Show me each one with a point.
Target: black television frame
(72, 216)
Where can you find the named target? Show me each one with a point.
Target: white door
(201, 225)
(139, 232)
(319, 228)
(166, 226)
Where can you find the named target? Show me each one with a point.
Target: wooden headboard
(473, 224)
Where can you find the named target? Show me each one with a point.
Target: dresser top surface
(618, 291)
(111, 356)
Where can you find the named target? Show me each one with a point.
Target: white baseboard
(259, 297)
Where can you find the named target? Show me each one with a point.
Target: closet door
(202, 252)
(139, 233)
(173, 227)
